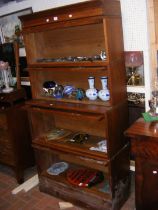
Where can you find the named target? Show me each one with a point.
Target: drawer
(148, 183)
(8, 99)
(4, 137)
(145, 148)
(4, 97)
(7, 158)
(6, 154)
(3, 121)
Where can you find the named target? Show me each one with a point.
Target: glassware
(5, 73)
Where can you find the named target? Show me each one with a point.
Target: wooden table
(144, 147)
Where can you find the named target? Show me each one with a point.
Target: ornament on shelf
(80, 94)
(68, 89)
(103, 55)
(49, 87)
(104, 94)
(5, 77)
(58, 92)
(91, 93)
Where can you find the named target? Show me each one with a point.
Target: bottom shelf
(109, 194)
(93, 197)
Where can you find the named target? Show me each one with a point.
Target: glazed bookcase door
(82, 40)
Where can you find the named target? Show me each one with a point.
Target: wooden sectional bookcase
(83, 29)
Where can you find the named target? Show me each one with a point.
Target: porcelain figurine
(104, 94)
(91, 93)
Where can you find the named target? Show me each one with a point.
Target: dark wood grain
(15, 139)
(144, 147)
(94, 26)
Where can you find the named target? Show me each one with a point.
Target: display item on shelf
(101, 146)
(91, 93)
(57, 168)
(84, 177)
(57, 134)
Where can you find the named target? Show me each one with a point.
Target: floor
(34, 199)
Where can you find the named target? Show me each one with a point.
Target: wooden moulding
(89, 9)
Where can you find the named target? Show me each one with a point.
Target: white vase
(104, 94)
(7, 88)
(91, 93)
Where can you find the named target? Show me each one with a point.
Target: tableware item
(57, 168)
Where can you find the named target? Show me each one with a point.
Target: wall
(136, 37)
(135, 27)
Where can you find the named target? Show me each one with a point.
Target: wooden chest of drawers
(15, 147)
(144, 147)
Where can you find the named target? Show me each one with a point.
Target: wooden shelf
(67, 105)
(64, 145)
(60, 180)
(75, 101)
(69, 64)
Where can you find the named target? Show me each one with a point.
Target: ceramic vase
(104, 94)
(91, 93)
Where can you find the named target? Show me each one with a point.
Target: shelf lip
(68, 106)
(69, 64)
(98, 156)
(135, 89)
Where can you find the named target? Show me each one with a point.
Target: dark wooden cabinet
(144, 144)
(15, 139)
(79, 30)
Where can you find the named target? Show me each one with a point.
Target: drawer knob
(55, 18)
(47, 20)
(154, 172)
(70, 15)
(2, 97)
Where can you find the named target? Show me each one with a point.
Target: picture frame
(1, 36)
(9, 23)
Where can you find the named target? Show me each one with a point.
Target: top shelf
(58, 64)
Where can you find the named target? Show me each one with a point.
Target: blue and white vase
(104, 94)
(91, 93)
